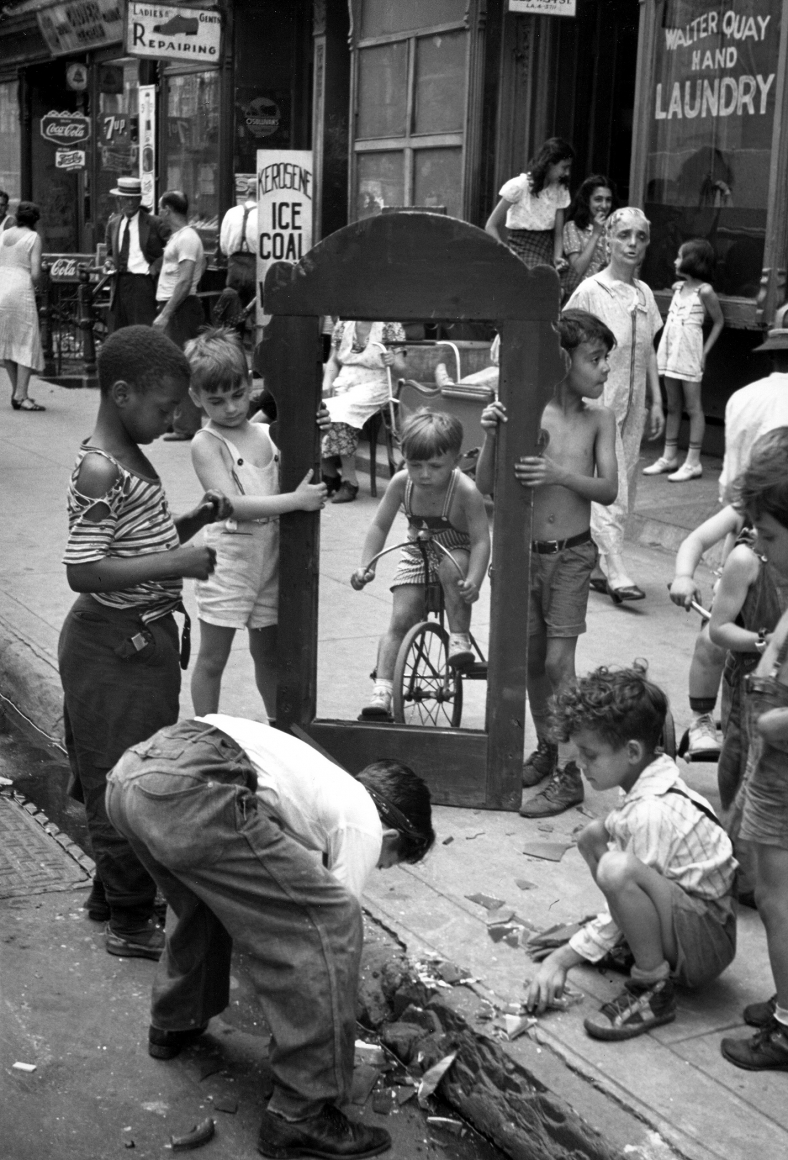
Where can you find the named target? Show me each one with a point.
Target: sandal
(26, 405)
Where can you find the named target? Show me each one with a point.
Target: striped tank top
(138, 523)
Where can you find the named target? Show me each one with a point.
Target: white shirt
(136, 263)
(183, 246)
(316, 802)
(666, 831)
(751, 412)
(233, 220)
(532, 213)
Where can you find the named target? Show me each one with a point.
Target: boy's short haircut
(217, 360)
(403, 803)
(427, 433)
(698, 259)
(619, 705)
(579, 326)
(177, 200)
(762, 488)
(141, 356)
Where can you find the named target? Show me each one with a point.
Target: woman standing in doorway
(632, 389)
(585, 232)
(20, 268)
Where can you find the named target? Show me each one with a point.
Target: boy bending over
(439, 499)
(579, 468)
(661, 858)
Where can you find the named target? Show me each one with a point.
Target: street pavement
(666, 1093)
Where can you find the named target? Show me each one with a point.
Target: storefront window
(411, 102)
(711, 117)
(117, 133)
(191, 148)
(9, 138)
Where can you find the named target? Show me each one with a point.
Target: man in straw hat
(757, 408)
(135, 245)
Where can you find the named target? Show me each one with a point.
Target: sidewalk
(664, 1094)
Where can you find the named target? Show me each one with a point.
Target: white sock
(459, 641)
(656, 975)
(781, 1015)
(383, 686)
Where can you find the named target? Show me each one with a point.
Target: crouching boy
(661, 858)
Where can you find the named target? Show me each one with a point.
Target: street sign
(78, 26)
(160, 31)
(544, 7)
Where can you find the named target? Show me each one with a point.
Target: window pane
(9, 138)
(440, 83)
(709, 155)
(381, 17)
(382, 90)
(117, 132)
(437, 178)
(191, 160)
(380, 182)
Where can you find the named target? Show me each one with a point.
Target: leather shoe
(631, 592)
(346, 493)
(328, 1134)
(145, 943)
(564, 789)
(168, 1044)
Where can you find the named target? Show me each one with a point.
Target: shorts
(558, 590)
(243, 591)
(410, 569)
(705, 934)
(765, 813)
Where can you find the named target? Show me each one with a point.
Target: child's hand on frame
(360, 577)
(469, 592)
(323, 417)
(537, 471)
(310, 496)
(492, 415)
(683, 591)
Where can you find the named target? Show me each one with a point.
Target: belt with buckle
(551, 547)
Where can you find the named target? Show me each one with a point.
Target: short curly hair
(141, 356)
(762, 488)
(619, 705)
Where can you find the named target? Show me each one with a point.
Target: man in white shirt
(181, 315)
(135, 244)
(755, 409)
(238, 241)
(255, 837)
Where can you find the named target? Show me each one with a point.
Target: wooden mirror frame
(413, 267)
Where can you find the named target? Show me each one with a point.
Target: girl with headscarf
(627, 306)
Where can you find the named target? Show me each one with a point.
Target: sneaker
(145, 943)
(759, 1014)
(379, 707)
(638, 1008)
(327, 1134)
(661, 466)
(541, 763)
(703, 744)
(460, 651)
(766, 1051)
(168, 1044)
(685, 472)
(565, 789)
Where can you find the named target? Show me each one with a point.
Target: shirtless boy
(579, 467)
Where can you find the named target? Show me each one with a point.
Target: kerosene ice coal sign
(164, 31)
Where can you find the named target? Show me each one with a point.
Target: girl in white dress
(681, 357)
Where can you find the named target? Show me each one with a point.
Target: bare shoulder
(467, 491)
(742, 563)
(205, 448)
(97, 475)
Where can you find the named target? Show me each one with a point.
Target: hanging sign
(81, 24)
(161, 31)
(544, 7)
(70, 159)
(65, 128)
(284, 208)
(147, 137)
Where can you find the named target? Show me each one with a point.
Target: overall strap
(703, 809)
(408, 497)
(234, 456)
(450, 495)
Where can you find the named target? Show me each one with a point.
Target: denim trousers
(114, 696)
(185, 801)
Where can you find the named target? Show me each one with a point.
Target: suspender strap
(244, 244)
(703, 809)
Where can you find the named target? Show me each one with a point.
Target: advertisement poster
(544, 7)
(711, 120)
(160, 31)
(65, 128)
(80, 25)
(284, 210)
(147, 144)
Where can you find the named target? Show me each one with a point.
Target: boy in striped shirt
(118, 653)
(661, 858)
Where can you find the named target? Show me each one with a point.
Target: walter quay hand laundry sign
(162, 31)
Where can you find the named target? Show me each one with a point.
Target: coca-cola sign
(65, 129)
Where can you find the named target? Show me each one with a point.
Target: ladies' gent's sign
(284, 207)
(158, 30)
